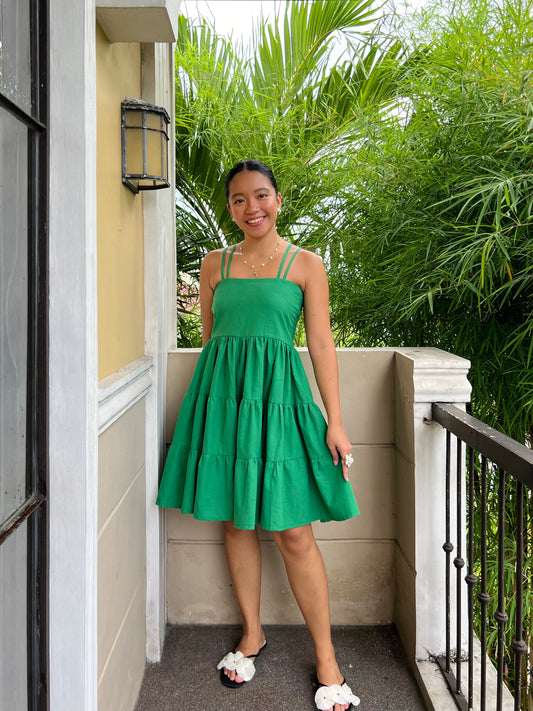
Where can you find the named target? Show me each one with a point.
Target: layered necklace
(254, 267)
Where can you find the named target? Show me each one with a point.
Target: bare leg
(307, 577)
(243, 553)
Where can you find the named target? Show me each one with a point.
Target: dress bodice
(249, 308)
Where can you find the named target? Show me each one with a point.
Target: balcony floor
(372, 659)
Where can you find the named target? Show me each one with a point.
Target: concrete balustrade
(383, 566)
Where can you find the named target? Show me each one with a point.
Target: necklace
(255, 268)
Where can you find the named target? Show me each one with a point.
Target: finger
(345, 472)
(334, 455)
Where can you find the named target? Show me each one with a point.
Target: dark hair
(249, 165)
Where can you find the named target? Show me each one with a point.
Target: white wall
(73, 487)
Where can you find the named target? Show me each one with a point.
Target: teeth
(255, 221)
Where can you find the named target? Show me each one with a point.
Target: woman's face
(254, 204)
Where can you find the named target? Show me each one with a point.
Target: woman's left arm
(322, 351)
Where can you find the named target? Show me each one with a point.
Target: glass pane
(15, 55)
(153, 151)
(154, 121)
(134, 151)
(13, 612)
(134, 118)
(164, 165)
(13, 310)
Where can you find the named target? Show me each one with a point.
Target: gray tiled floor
(372, 659)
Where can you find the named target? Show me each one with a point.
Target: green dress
(250, 442)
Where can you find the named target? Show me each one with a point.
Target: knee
(231, 531)
(295, 541)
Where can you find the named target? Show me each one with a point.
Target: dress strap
(285, 253)
(226, 275)
(222, 262)
(290, 263)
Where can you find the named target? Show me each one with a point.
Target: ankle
(254, 630)
(325, 654)
(252, 639)
(327, 670)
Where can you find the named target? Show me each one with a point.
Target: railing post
(423, 376)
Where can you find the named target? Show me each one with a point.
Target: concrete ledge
(437, 373)
(439, 698)
(121, 390)
(138, 20)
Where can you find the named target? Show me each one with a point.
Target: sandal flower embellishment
(237, 661)
(327, 696)
(243, 666)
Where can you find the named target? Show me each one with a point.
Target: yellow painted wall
(120, 216)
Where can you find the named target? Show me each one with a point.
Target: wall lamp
(144, 145)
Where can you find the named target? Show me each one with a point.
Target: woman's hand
(339, 446)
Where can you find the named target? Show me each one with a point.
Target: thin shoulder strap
(285, 253)
(222, 262)
(229, 260)
(290, 262)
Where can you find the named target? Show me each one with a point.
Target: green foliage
(437, 240)
(283, 101)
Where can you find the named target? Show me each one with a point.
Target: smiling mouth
(255, 221)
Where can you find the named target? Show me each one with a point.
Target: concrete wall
(359, 553)
(383, 566)
(422, 376)
(405, 612)
(121, 560)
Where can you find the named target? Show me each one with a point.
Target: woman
(251, 447)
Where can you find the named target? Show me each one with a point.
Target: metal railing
(497, 473)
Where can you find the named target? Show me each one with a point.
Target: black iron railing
(498, 473)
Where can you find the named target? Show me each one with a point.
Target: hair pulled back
(250, 165)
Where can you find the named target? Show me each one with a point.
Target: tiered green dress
(250, 442)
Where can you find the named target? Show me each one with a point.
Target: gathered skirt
(250, 442)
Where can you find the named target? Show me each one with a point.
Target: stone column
(423, 376)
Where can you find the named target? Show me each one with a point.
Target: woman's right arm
(209, 268)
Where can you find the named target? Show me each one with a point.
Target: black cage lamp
(144, 145)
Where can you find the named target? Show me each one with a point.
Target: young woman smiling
(251, 448)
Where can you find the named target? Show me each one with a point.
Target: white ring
(348, 460)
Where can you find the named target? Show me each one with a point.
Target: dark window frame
(34, 510)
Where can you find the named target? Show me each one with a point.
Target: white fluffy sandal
(327, 696)
(244, 667)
